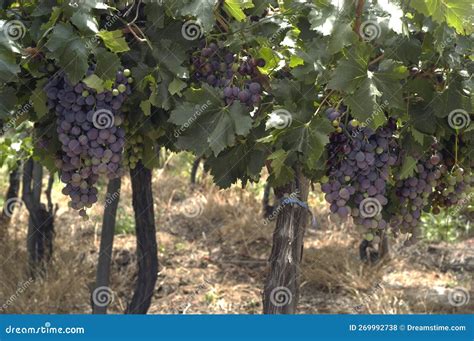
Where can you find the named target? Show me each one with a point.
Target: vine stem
(324, 101)
(377, 59)
(456, 148)
(358, 21)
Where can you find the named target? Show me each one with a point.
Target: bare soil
(213, 250)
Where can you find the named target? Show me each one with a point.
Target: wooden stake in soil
(99, 306)
(281, 292)
(147, 250)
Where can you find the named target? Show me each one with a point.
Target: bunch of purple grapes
(219, 67)
(359, 162)
(414, 192)
(91, 139)
(452, 188)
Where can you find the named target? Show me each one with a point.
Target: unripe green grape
(118, 121)
(121, 87)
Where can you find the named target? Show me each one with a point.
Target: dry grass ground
(213, 247)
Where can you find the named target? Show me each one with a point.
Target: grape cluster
(359, 163)
(218, 67)
(133, 151)
(414, 192)
(452, 188)
(88, 129)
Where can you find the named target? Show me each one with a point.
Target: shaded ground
(213, 247)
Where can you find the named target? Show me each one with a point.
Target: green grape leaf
(422, 87)
(160, 96)
(235, 8)
(423, 119)
(363, 102)
(69, 50)
(39, 99)
(342, 35)
(205, 122)
(8, 101)
(55, 13)
(350, 71)
(404, 49)
(364, 90)
(277, 163)
(85, 22)
(176, 86)
(244, 161)
(8, 65)
(171, 55)
(387, 80)
(271, 59)
(94, 82)
(417, 136)
(202, 10)
(146, 107)
(154, 14)
(309, 139)
(456, 13)
(450, 99)
(114, 40)
(108, 63)
(408, 167)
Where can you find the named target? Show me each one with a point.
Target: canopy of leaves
(415, 63)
